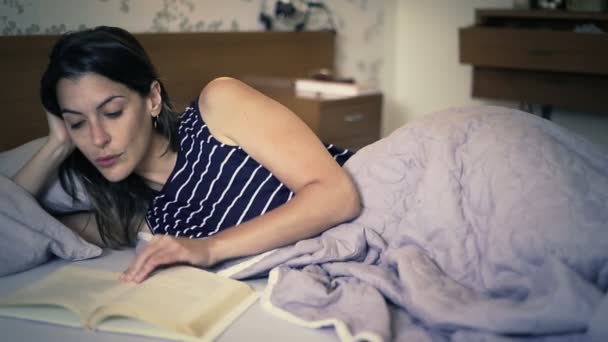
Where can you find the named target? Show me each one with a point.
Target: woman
(234, 159)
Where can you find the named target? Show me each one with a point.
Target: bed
(478, 224)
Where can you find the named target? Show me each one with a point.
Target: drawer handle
(540, 52)
(356, 117)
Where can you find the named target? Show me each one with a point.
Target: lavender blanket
(479, 224)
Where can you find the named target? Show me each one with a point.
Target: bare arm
(34, 175)
(275, 137)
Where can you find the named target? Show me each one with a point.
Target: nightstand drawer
(567, 90)
(344, 120)
(534, 49)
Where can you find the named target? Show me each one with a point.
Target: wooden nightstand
(349, 122)
(535, 56)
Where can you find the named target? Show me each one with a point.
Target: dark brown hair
(114, 53)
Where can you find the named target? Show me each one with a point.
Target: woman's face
(108, 122)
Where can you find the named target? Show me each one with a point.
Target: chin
(113, 175)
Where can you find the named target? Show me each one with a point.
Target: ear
(155, 98)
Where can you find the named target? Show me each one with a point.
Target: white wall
(427, 74)
(593, 126)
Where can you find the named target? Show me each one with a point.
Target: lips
(107, 161)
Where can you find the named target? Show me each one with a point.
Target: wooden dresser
(350, 122)
(543, 57)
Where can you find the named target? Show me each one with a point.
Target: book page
(183, 299)
(43, 313)
(74, 288)
(119, 324)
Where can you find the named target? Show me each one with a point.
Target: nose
(100, 136)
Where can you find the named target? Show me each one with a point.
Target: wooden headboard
(185, 62)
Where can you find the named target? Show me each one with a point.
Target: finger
(164, 250)
(162, 257)
(140, 258)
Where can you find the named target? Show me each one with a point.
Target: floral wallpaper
(360, 23)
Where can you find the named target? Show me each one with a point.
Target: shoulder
(228, 105)
(218, 104)
(222, 92)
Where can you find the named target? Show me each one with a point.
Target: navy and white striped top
(214, 186)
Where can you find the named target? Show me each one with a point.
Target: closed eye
(76, 125)
(114, 114)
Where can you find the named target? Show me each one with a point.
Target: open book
(181, 303)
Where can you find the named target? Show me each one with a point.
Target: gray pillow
(54, 198)
(29, 236)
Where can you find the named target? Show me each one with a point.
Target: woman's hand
(58, 134)
(167, 250)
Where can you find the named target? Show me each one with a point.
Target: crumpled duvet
(479, 224)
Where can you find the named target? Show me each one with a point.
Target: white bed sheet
(254, 325)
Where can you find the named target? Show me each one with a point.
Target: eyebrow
(99, 106)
